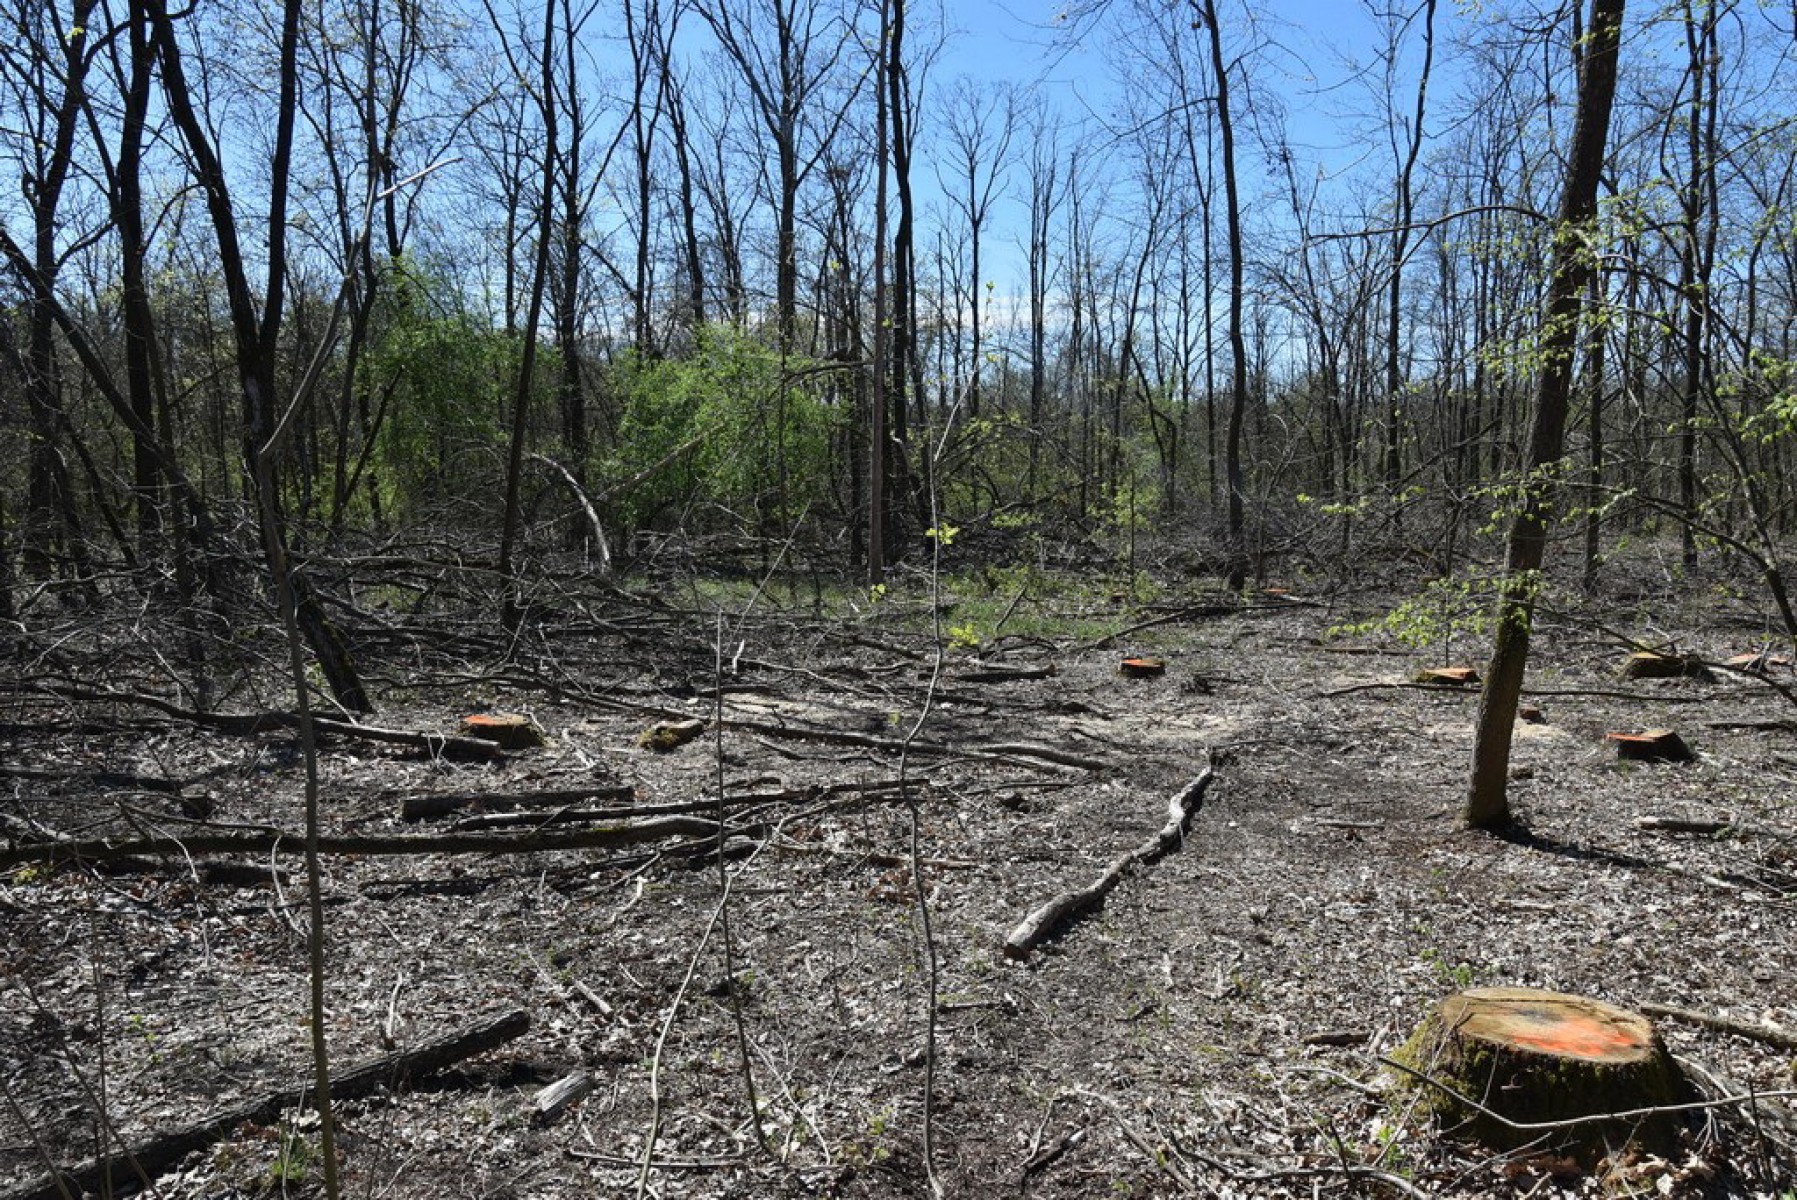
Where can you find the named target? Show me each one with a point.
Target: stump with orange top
(1511, 1066)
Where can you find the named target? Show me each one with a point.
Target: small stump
(1143, 668)
(508, 731)
(1448, 676)
(1535, 1057)
(1645, 664)
(1651, 746)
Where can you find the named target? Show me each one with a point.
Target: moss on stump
(1535, 1057)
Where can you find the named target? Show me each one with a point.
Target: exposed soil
(1216, 1028)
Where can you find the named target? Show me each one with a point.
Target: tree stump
(1530, 1057)
(1143, 668)
(1448, 676)
(1645, 664)
(508, 731)
(1651, 746)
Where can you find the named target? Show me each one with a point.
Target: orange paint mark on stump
(1574, 1034)
(1548, 1023)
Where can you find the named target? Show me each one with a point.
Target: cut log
(559, 1096)
(1049, 918)
(1506, 1066)
(1651, 746)
(163, 1150)
(508, 731)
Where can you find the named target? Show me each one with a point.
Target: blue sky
(1317, 58)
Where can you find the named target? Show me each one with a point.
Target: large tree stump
(1528, 1058)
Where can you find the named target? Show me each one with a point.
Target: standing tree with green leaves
(1574, 262)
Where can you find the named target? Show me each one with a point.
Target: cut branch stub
(1651, 745)
(1510, 1066)
(508, 731)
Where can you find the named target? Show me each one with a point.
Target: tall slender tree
(1574, 262)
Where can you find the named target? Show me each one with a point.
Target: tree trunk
(512, 615)
(1236, 539)
(1574, 260)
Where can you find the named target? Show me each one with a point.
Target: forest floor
(1216, 1028)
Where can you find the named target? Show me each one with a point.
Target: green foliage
(448, 379)
(293, 1161)
(1447, 608)
(727, 425)
(965, 636)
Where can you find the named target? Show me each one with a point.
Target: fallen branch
(1685, 824)
(1747, 1099)
(1048, 754)
(1194, 613)
(1042, 924)
(420, 806)
(983, 672)
(1766, 1034)
(163, 1150)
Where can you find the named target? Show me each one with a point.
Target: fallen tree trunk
(1005, 752)
(442, 745)
(142, 1162)
(265, 841)
(423, 805)
(1046, 920)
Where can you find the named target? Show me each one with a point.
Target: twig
(661, 1042)
(736, 1004)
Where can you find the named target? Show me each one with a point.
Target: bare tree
(787, 54)
(1236, 530)
(981, 123)
(256, 321)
